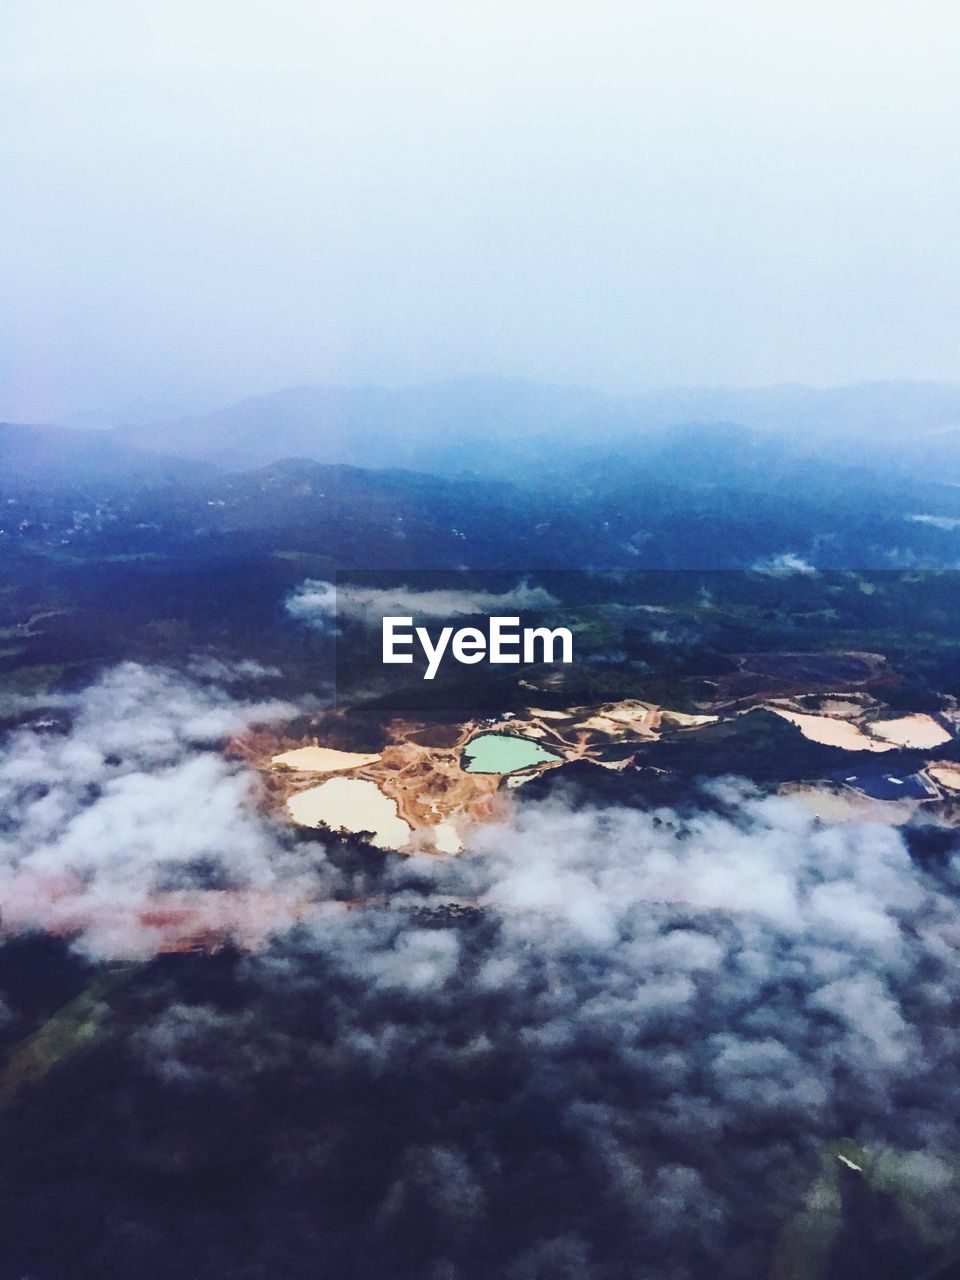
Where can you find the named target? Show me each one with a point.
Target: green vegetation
(72, 1027)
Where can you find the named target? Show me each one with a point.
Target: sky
(211, 199)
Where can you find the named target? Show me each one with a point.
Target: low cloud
(600, 1034)
(321, 604)
(134, 800)
(207, 667)
(647, 1044)
(946, 524)
(784, 562)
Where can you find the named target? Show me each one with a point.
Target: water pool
(503, 753)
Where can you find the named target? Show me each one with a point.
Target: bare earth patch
(947, 775)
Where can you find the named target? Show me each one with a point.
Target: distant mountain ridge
(719, 496)
(499, 426)
(65, 457)
(441, 427)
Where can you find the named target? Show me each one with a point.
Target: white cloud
(321, 604)
(945, 523)
(691, 1005)
(784, 562)
(688, 1003)
(133, 801)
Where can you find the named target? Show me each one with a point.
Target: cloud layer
(132, 801)
(602, 1043)
(321, 604)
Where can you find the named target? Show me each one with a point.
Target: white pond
(351, 804)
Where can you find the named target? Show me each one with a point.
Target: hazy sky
(209, 198)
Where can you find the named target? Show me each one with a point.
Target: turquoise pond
(503, 753)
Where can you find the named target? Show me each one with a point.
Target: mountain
(441, 427)
(513, 428)
(892, 410)
(689, 498)
(68, 457)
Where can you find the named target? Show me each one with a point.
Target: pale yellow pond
(832, 733)
(323, 759)
(911, 731)
(351, 804)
